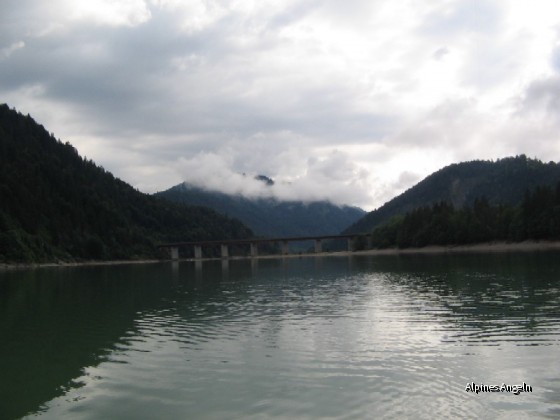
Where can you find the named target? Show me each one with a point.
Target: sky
(351, 101)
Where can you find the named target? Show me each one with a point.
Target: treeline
(536, 218)
(56, 205)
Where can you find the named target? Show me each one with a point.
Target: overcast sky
(353, 101)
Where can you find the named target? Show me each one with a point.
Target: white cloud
(331, 177)
(9, 50)
(109, 12)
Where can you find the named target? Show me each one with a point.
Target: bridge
(255, 242)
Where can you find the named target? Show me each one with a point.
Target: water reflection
(289, 337)
(482, 299)
(55, 322)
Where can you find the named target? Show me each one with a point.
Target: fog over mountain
(266, 215)
(325, 180)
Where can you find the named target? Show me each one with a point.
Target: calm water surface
(363, 337)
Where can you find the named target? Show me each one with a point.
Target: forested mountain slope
(56, 205)
(504, 181)
(269, 217)
(537, 217)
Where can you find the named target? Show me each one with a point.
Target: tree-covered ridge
(502, 182)
(536, 217)
(56, 205)
(269, 217)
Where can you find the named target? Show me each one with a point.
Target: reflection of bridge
(253, 244)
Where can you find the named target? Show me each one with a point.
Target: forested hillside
(503, 182)
(56, 205)
(269, 217)
(536, 218)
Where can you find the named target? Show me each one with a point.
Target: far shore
(16, 266)
(488, 247)
(491, 247)
(482, 247)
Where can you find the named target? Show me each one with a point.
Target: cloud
(455, 18)
(542, 98)
(440, 53)
(9, 50)
(109, 12)
(336, 101)
(535, 119)
(332, 177)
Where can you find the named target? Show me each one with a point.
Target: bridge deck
(256, 240)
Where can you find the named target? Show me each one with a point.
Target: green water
(361, 337)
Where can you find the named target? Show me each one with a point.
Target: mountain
(56, 205)
(504, 181)
(269, 217)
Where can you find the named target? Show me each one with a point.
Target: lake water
(331, 337)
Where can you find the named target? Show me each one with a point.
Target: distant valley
(268, 217)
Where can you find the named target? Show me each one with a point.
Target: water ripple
(378, 339)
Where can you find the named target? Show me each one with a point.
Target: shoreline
(489, 247)
(63, 264)
(486, 247)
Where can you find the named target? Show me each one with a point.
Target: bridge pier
(318, 246)
(225, 251)
(285, 248)
(254, 249)
(174, 253)
(197, 252)
(351, 242)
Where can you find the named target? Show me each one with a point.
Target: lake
(330, 337)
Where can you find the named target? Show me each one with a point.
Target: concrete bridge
(254, 243)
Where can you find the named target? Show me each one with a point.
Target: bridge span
(255, 242)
